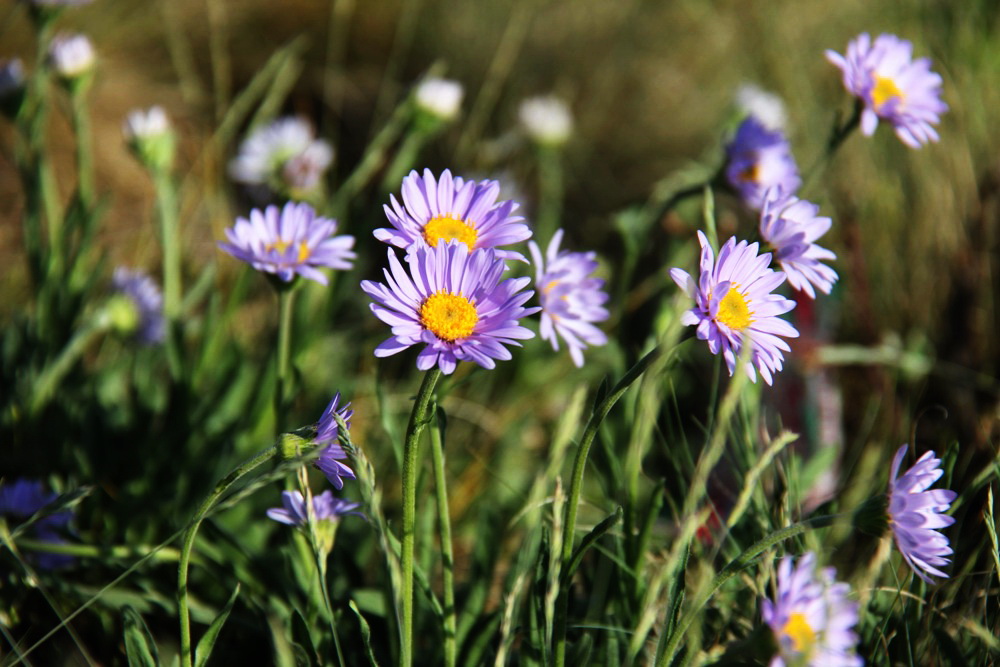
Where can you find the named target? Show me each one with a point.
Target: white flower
(143, 124)
(547, 120)
(441, 98)
(285, 151)
(71, 55)
(765, 106)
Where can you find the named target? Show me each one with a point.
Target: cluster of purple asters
(20, 500)
(892, 87)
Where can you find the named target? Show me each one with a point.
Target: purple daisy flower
(325, 508)
(791, 226)
(289, 241)
(758, 159)
(892, 86)
(143, 301)
(915, 514)
(453, 301)
(328, 433)
(571, 300)
(20, 499)
(734, 306)
(450, 208)
(812, 617)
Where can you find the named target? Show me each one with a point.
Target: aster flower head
(439, 98)
(150, 136)
(289, 241)
(791, 226)
(437, 210)
(892, 86)
(916, 514)
(734, 306)
(758, 158)
(571, 299)
(811, 617)
(71, 55)
(328, 434)
(326, 507)
(136, 308)
(766, 107)
(20, 499)
(284, 155)
(453, 302)
(546, 120)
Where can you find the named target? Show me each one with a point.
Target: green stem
(192, 531)
(838, 135)
(285, 303)
(418, 420)
(52, 375)
(447, 554)
(121, 552)
(84, 149)
(406, 158)
(576, 485)
(669, 643)
(167, 214)
(550, 192)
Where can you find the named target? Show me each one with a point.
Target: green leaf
(204, 648)
(366, 634)
(139, 645)
(588, 541)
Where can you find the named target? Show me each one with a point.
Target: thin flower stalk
(447, 553)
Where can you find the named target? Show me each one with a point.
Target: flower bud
(547, 120)
(71, 56)
(440, 98)
(150, 137)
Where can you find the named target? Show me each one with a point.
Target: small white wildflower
(441, 98)
(71, 55)
(547, 120)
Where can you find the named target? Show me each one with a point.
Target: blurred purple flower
(325, 508)
(892, 86)
(758, 159)
(571, 300)
(452, 301)
(289, 241)
(812, 617)
(327, 433)
(791, 226)
(142, 293)
(20, 499)
(915, 514)
(734, 306)
(450, 208)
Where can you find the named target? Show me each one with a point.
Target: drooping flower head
(765, 106)
(811, 617)
(328, 433)
(734, 306)
(325, 508)
(791, 227)
(71, 55)
(439, 98)
(571, 299)
(138, 310)
(546, 120)
(916, 514)
(284, 155)
(453, 302)
(435, 211)
(19, 500)
(758, 159)
(892, 86)
(289, 241)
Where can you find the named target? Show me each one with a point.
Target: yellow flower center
(304, 252)
(750, 174)
(447, 228)
(551, 285)
(448, 316)
(734, 310)
(281, 247)
(800, 632)
(885, 91)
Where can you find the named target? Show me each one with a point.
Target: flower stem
(550, 188)
(447, 555)
(84, 149)
(166, 211)
(418, 420)
(576, 486)
(192, 531)
(838, 134)
(53, 374)
(285, 302)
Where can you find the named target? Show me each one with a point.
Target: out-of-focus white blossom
(547, 120)
(71, 55)
(441, 98)
(765, 106)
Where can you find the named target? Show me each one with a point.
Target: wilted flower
(283, 155)
(325, 508)
(791, 226)
(452, 301)
(892, 86)
(328, 433)
(451, 208)
(289, 241)
(71, 55)
(758, 159)
(812, 617)
(916, 513)
(766, 107)
(547, 120)
(137, 308)
(734, 306)
(20, 499)
(571, 299)
(440, 98)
